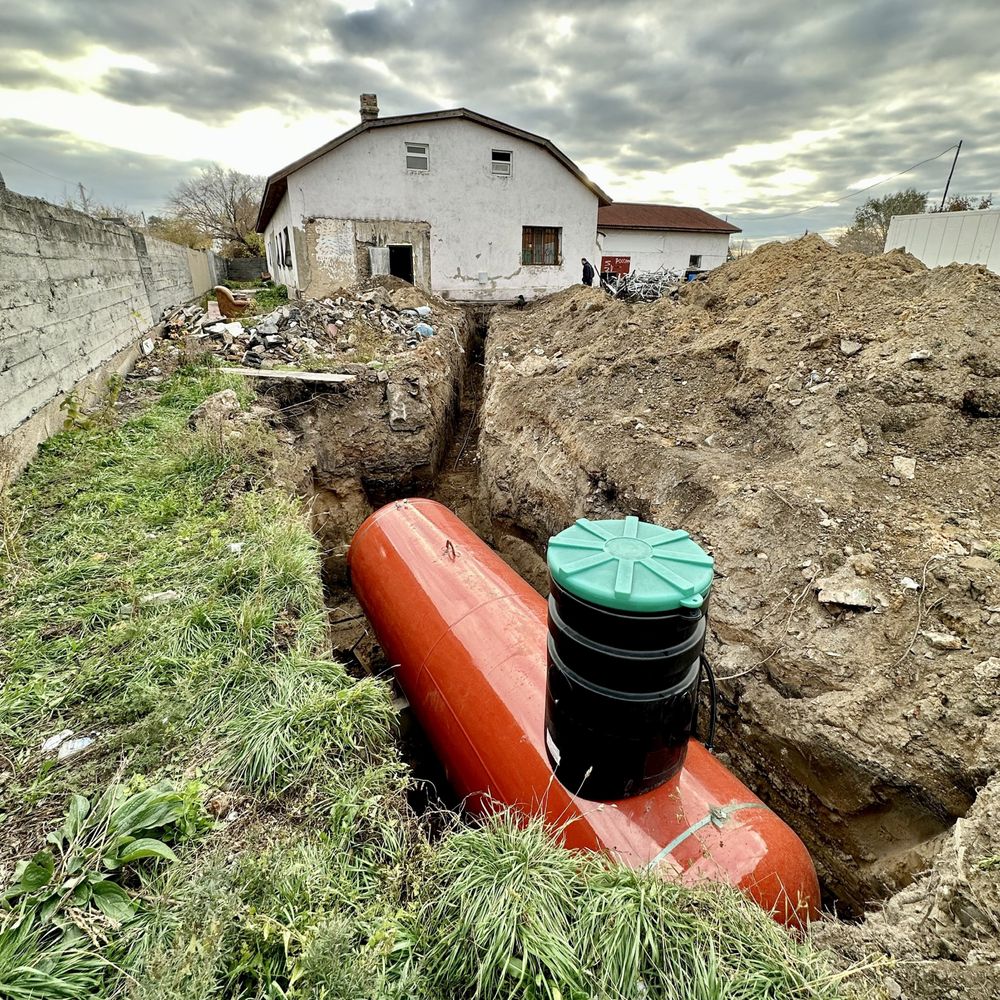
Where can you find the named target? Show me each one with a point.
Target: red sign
(616, 265)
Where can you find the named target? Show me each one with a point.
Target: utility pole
(950, 174)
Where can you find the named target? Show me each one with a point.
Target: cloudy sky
(755, 109)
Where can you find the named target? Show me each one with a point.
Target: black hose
(713, 702)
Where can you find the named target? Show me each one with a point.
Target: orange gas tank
(468, 636)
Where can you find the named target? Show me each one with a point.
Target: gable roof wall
(277, 183)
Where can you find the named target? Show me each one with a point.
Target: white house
(939, 238)
(636, 237)
(458, 203)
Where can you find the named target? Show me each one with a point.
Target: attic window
(417, 156)
(502, 161)
(541, 245)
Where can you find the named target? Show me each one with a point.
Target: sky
(772, 113)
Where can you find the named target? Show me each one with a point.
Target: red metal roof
(632, 215)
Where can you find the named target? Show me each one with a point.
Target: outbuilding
(639, 237)
(458, 203)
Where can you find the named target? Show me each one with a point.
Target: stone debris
(943, 640)
(906, 467)
(308, 333)
(160, 597)
(213, 411)
(850, 347)
(846, 588)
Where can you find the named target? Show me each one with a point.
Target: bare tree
(222, 204)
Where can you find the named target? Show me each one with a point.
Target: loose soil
(826, 425)
(778, 411)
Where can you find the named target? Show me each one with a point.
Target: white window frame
(508, 163)
(417, 150)
(694, 259)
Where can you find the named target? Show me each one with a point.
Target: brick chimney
(369, 107)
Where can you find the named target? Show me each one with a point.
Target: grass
(269, 299)
(161, 595)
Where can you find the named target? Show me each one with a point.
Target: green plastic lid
(630, 565)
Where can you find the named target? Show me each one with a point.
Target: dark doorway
(401, 261)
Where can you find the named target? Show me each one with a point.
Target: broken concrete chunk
(859, 449)
(943, 640)
(920, 355)
(221, 406)
(846, 588)
(407, 411)
(906, 467)
(160, 597)
(147, 346)
(850, 347)
(532, 364)
(988, 670)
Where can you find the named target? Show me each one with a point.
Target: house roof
(277, 183)
(632, 215)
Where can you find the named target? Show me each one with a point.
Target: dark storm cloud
(49, 164)
(636, 86)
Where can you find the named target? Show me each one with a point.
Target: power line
(39, 170)
(845, 197)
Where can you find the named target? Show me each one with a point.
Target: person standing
(588, 271)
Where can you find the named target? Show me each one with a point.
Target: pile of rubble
(309, 332)
(643, 286)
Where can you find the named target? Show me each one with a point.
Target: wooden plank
(333, 378)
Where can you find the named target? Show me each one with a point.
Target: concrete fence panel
(76, 297)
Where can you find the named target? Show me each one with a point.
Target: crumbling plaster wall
(76, 295)
(475, 217)
(337, 251)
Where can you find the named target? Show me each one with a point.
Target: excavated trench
(844, 842)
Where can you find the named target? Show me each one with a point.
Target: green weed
(163, 596)
(515, 914)
(270, 298)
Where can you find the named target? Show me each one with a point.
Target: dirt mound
(950, 914)
(822, 422)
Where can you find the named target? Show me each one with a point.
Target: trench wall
(76, 296)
